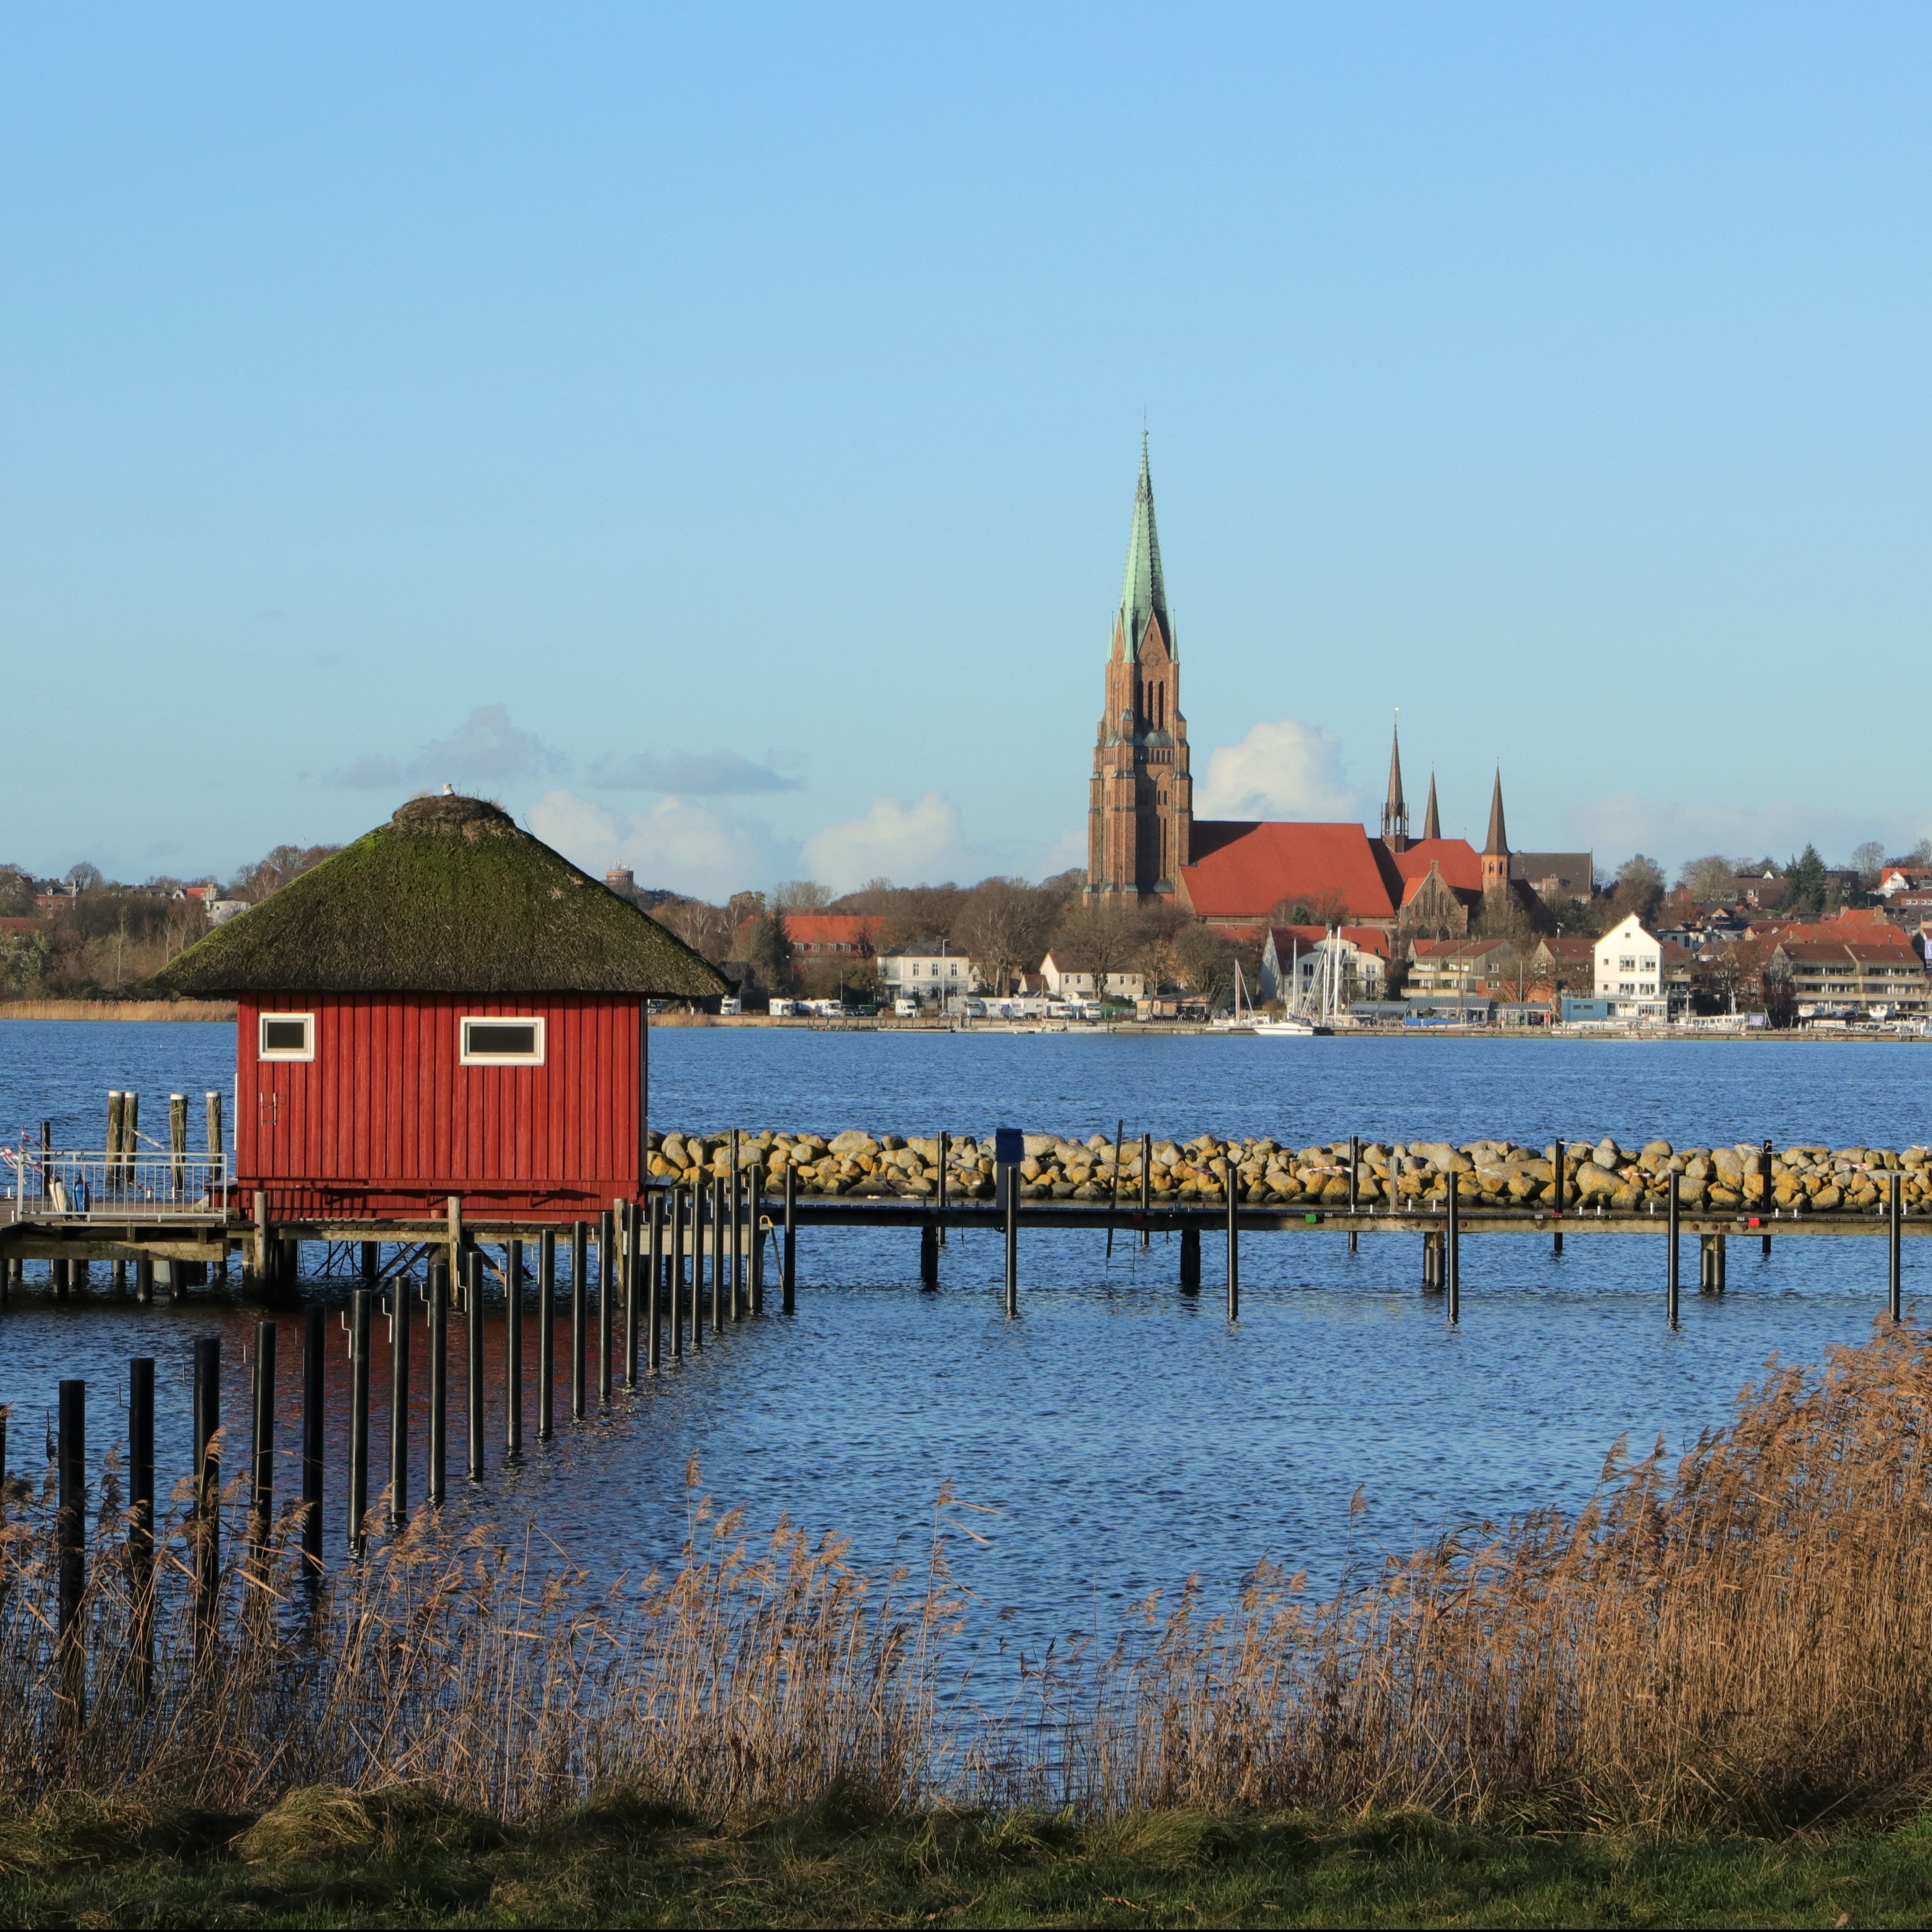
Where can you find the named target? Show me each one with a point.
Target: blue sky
(713, 431)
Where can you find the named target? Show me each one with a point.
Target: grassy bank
(398, 1857)
(117, 1009)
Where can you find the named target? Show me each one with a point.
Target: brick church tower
(1141, 808)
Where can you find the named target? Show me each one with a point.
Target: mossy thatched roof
(449, 897)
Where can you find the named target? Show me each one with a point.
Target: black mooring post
(1765, 1202)
(944, 1145)
(654, 1287)
(755, 1235)
(473, 1315)
(315, 1332)
(579, 1289)
(1146, 1188)
(1894, 1208)
(1190, 1258)
(359, 1301)
(674, 1274)
(70, 1534)
(140, 1515)
(208, 1485)
(929, 1254)
(438, 1382)
(371, 1263)
(1231, 1183)
(1452, 1257)
(1013, 1234)
(1670, 1216)
(513, 1348)
(546, 1334)
(700, 1214)
(717, 1254)
(788, 1262)
(399, 1402)
(632, 1250)
(261, 1473)
(1354, 1196)
(1556, 1198)
(609, 1271)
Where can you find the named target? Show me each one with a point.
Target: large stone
(853, 1141)
(1595, 1183)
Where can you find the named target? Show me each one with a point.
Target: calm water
(1126, 1435)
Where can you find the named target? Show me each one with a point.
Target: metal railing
(48, 1183)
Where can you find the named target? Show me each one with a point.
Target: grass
(397, 1857)
(117, 1009)
(1701, 1698)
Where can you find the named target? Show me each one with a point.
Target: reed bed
(117, 1009)
(1738, 1641)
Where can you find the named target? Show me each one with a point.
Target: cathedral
(1145, 846)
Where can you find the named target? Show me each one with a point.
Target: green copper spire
(1143, 592)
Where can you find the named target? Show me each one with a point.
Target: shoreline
(201, 1010)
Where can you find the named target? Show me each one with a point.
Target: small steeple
(1143, 590)
(1395, 812)
(1497, 846)
(1432, 826)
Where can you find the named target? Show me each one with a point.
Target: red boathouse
(446, 1007)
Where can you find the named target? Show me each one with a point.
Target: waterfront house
(1299, 950)
(928, 971)
(1642, 977)
(446, 1007)
(1062, 983)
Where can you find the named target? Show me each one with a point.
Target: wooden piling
(178, 1144)
(70, 1545)
(140, 1517)
(1190, 1258)
(700, 1216)
(207, 1534)
(718, 1217)
(1146, 1188)
(674, 1264)
(788, 1261)
(513, 1348)
(315, 1331)
(580, 1265)
(1557, 1192)
(631, 1251)
(359, 1300)
(116, 1105)
(654, 1287)
(1670, 1220)
(609, 1272)
(944, 1144)
(929, 1254)
(216, 1151)
(756, 1236)
(438, 1293)
(472, 1317)
(733, 1223)
(1452, 1258)
(1231, 1185)
(1894, 1211)
(453, 1214)
(1013, 1234)
(546, 1334)
(1355, 1178)
(1766, 1203)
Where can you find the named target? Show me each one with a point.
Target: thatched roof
(449, 897)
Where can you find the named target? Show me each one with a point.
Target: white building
(1630, 972)
(1064, 984)
(920, 974)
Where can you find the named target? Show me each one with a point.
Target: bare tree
(1710, 881)
(1099, 939)
(704, 928)
(1869, 858)
(801, 895)
(85, 877)
(1203, 963)
(1002, 925)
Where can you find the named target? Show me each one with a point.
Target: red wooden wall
(386, 1120)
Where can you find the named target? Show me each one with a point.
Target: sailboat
(1239, 1022)
(1296, 1022)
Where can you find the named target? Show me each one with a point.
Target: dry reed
(1739, 1642)
(117, 1009)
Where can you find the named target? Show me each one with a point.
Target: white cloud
(688, 848)
(910, 844)
(1285, 770)
(486, 748)
(1671, 832)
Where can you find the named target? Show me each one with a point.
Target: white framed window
(286, 1036)
(490, 1041)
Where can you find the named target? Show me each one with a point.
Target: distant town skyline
(714, 437)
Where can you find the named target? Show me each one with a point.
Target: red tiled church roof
(813, 931)
(1456, 859)
(1243, 869)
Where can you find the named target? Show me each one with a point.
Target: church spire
(1432, 826)
(1395, 811)
(1497, 846)
(1143, 591)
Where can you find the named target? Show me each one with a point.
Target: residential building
(1061, 983)
(1551, 875)
(830, 934)
(927, 972)
(1836, 976)
(1445, 968)
(1895, 879)
(1642, 976)
(1299, 951)
(1558, 963)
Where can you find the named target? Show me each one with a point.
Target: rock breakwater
(1807, 1179)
